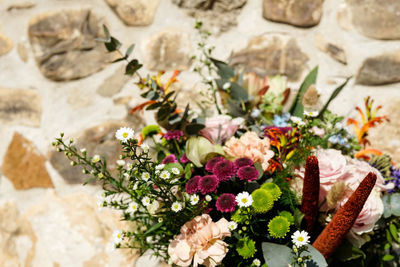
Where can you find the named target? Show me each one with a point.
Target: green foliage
(278, 227)
(332, 97)
(246, 247)
(263, 200)
(273, 189)
(297, 108)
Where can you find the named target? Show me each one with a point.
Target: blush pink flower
(220, 128)
(200, 241)
(249, 145)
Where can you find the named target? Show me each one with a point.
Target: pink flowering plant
(260, 182)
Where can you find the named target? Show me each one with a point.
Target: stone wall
(55, 77)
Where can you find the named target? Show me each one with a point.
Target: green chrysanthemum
(239, 217)
(273, 189)
(263, 201)
(278, 227)
(150, 130)
(246, 248)
(287, 215)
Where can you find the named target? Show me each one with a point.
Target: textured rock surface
(18, 106)
(333, 50)
(64, 44)
(97, 140)
(302, 13)
(167, 50)
(24, 166)
(114, 83)
(381, 69)
(272, 54)
(389, 142)
(378, 19)
(6, 44)
(135, 12)
(218, 16)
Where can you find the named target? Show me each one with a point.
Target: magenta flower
(226, 203)
(184, 159)
(211, 163)
(192, 186)
(248, 173)
(169, 159)
(175, 134)
(208, 184)
(224, 170)
(241, 162)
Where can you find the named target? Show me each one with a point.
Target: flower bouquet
(247, 178)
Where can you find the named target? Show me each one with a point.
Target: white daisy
(126, 175)
(208, 198)
(160, 166)
(244, 199)
(257, 262)
(129, 166)
(232, 225)
(146, 176)
(310, 113)
(194, 199)
(124, 134)
(146, 201)
(96, 158)
(300, 239)
(176, 206)
(83, 150)
(100, 199)
(175, 171)
(118, 236)
(297, 120)
(132, 207)
(120, 162)
(226, 86)
(145, 148)
(165, 175)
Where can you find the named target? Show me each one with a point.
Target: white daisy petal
(176, 206)
(300, 239)
(244, 199)
(124, 134)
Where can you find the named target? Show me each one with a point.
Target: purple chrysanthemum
(184, 159)
(248, 173)
(192, 186)
(175, 134)
(226, 202)
(208, 184)
(224, 170)
(241, 162)
(211, 163)
(169, 159)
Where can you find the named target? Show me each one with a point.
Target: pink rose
(200, 240)
(369, 215)
(220, 128)
(249, 145)
(355, 172)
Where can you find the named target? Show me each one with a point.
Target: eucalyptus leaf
(395, 204)
(132, 67)
(129, 50)
(297, 108)
(112, 45)
(277, 255)
(259, 168)
(317, 259)
(106, 33)
(224, 70)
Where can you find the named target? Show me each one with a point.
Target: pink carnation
(226, 202)
(200, 241)
(249, 145)
(220, 128)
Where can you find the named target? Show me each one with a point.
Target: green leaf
(317, 259)
(388, 257)
(107, 33)
(132, 67)
(153, 228)
(259, 168)
(297, 108)
(129, 50)
(238, 93)
(188, 171)
(394, 232)
(395, 204)
(333, 96)
(347, 252)
(224, 70)
(277, 255)
(168, 167)
(298, 217)
(387, 246)
(112, 45)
